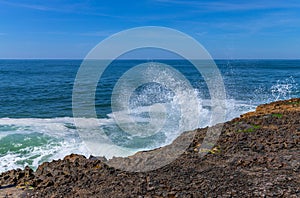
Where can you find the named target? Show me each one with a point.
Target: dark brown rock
(256, 155)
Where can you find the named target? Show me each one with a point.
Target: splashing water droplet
(284, 88)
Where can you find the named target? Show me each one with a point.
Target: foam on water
(31, 141)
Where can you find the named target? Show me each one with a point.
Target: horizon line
(149, 59)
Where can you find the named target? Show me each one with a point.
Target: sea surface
(36, 119)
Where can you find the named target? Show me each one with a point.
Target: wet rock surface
(256, 155)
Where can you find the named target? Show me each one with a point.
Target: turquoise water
(36, 121)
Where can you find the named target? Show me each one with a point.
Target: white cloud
(211, 6)
(26, 5)
(51, 6)
(104, 33)
(96, 33)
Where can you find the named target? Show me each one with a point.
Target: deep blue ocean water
(36, 121)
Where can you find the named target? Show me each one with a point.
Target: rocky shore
(256, 155)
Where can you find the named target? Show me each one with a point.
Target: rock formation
(256, 155)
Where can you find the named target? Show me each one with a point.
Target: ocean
(36, 119)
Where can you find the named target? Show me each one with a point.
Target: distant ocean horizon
(36, 120)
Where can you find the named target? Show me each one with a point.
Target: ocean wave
(31, 141)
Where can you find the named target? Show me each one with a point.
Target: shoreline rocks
(256, 155)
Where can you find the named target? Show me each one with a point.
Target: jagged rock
(256, 155)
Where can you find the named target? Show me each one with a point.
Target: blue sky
(227, 29)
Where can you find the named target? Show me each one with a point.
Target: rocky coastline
(256, 155)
